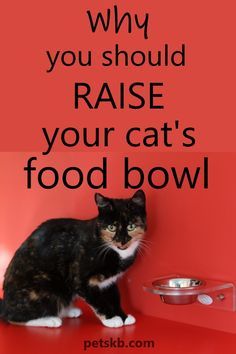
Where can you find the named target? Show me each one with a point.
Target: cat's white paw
(74, 312)
(129, 320)
(51, 322)
(113, 322)
(70, 312)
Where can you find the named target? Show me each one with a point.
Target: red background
(192, 231)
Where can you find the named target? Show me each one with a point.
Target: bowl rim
(156, 283)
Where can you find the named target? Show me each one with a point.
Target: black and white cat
(65, 258)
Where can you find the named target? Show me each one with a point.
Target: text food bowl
(178, 290)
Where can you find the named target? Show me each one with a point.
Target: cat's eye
(111, 228)
(131, 227)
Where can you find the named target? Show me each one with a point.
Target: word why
(118, 20)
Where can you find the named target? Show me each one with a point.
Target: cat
(68, 258)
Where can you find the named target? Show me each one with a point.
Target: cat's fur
(65, 258)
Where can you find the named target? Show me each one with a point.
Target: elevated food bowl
(176, 290)
(175, 286)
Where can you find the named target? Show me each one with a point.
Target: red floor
(169, 338)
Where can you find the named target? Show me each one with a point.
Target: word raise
(137, 95)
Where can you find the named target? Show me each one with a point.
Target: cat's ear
(139, 198)
(101, 201)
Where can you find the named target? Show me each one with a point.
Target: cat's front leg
(70, 312)
(106, 305)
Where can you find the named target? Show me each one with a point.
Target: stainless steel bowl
(178, 291)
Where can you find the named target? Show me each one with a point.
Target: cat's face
(122, 222)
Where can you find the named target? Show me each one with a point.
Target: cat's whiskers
(100, 247)
(106, 252)
(143, 247)
(147, 241)
(139, 250)
(102, 250)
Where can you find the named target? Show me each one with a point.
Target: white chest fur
(109, 281)
(103, 283)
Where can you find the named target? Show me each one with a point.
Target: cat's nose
(122, 246)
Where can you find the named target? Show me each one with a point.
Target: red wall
(191, 231)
